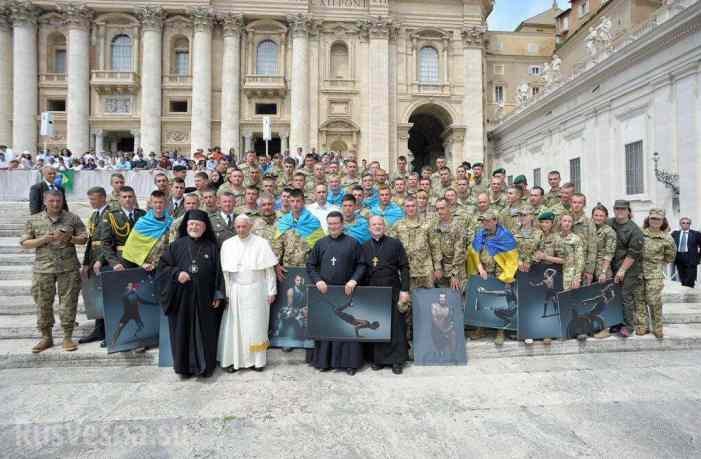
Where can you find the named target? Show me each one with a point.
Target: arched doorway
(426, 136)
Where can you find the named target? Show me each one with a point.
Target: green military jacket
(54, 257)
(93, 249)
(112, 233)
(552, 197)
(585, 228)
(291, 249)
(629, 243)
(414, 235)
(573, 255)
(659, 249)
(449, 247)
(527, 240)
(238, 194)
(497, 202)
(264, 226)
(222, 229)
(605, 249)
(508, 216)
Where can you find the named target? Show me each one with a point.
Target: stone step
(24, 326)
(11, 232)
(16, 287)
(10, 245)
(16, 353)
(17, 259)
(19, 272)
(23, 305)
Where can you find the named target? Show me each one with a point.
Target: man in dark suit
(36, 192)
(688, 252)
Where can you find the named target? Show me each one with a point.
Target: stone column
(473, 94)
(99, 140)
(248, 142)
(77, 19)
(25, 82)
(299, 99)
(137, 141)
(284, 145)
(231, 84)
(5, 80)
(201, 125)
(314, 75)
(378, 106)
(151, 76)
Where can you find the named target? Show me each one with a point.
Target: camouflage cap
(488, 214)
(658, 213)
(621, 204)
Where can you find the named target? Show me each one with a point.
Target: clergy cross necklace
(333, 261)
(375, 260)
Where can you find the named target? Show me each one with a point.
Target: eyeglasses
(655, 219)
(686, 223)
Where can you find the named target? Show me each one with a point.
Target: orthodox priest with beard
(336, 260)
(388, 266)
(192, 291)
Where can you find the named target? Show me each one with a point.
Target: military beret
(547, 215)
(487, 215)
(658, 213)
(501, 170)
(520, 179)
(179, 168)
(477, 165)
(621, 204)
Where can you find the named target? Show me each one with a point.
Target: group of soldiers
(435, 212)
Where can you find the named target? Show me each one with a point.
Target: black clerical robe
(194, 323)
(336, 261)
(388, 266)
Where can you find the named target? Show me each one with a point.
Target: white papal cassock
(248, 266)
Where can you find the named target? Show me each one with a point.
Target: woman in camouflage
(605, 243)
(658, 250)
(573, 263)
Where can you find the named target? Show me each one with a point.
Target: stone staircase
(18, 330)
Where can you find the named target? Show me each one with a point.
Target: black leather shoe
(258, 369)
(287, 349)
(97, 334)
(376, 367)
(351, 371)
(103, 344)
(397, 369)
(230, 369)
(324, 370)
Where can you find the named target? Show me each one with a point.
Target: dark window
(536, 177)
(576, 174)
(634, 168)
(178, 106)
(57, 105)
(510, 180)
(266, 109)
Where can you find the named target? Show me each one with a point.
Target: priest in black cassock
(192, 291)
(388, 266)
(336, 260)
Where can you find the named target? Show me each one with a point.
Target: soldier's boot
(477, 333)
(98, 333)
(641, 331)
(44, 343)
(68, 344)
(499, 340)
(659, 334)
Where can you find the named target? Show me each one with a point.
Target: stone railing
(52, 79)
(177, 80)
(419, 88)
(339, 84)
(270, 85)
(668, 11)
(114, 82)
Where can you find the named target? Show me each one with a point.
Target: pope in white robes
(248, 264)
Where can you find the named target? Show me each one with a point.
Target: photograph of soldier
(364, 317)
(438, 327)
(538, 314)
(288, 314)
(165, 353)
(491, 304)
(130, 303)
(588, 310)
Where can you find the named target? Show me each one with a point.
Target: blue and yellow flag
(502, 247)
(392, 213)
(373, 200)
(307, 226)
(147, 231)
(336, 199)
(358, 230)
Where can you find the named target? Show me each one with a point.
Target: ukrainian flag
(392, 213)
(359, 230)
(307, 226)
(147, 231)
(502, 247)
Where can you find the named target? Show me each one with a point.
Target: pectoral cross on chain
(333, 261)
(375, 260)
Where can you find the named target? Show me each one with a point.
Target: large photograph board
(438, 320)
(588, 310)
(90, 292)
(129, 300)
(165, 350)
(288, 314)
(365, 316)
(538, 312)
(491, 303)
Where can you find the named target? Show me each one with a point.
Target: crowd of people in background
(443, 225)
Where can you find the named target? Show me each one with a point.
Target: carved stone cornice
(473, 36)
(232, 24)
(23, 13)
(381, 27)
(300, 24)
(151, 17)
(76, 15)
(202, 18)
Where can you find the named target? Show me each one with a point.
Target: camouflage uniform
(439, 189)
(113, 232)
(479, 186)
(174, 228)
(550, 244)
(527, 240)
(113, 200)
(448, 249)
(349, 182)
(584, 227)
(264, 226)
(238, 195)
(573, 257)
(247, 211)
(398, 199)
(291, 249)
(55, 263)
(659, 249)
(629, 243)
(222, 229)
(508, 216)
(552, 197)
(605, 248)
(497, 201)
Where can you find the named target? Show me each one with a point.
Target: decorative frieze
(300, 24)
(202, 18)
(23, 12)
(76, 15)
(232, 24)
(473, 36)
(151, 17)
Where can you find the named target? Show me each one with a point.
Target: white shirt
(225, 216)
(321, 211)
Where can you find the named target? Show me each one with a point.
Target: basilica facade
(381, 78)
